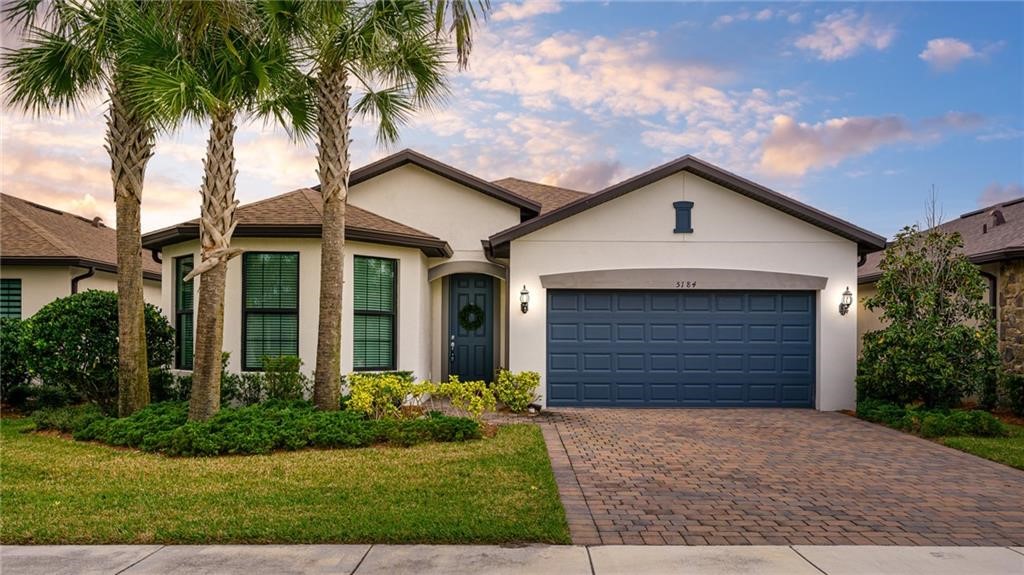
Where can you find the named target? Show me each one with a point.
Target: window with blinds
(184, 296)
(373, 322)
(10, 298)
(270, 306)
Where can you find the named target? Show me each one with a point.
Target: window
(374, 314)
(10, 298)
(184, 296)
(270, 306)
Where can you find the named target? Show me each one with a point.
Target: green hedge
(261, 428)
(932, 423)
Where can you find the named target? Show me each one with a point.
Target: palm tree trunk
(130, 143)
(217, 224)
(333, 159)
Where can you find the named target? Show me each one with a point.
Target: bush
(378, 395)
(13, 369)
(251, 388)
(284, 379)
(471, 397)
(932, 423)
(1012, 391)
(517, 390)
(269, 426)
(939, 340)
(71, 343)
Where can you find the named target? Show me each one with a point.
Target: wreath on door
(471, 317)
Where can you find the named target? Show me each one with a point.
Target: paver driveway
(772, 476)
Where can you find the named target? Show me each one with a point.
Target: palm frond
(389, 109)
(50, 72)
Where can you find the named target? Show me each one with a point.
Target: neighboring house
(47, 254)
(684, 286)
(993, 240)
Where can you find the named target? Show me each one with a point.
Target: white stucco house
(685, 286)
(47, 254)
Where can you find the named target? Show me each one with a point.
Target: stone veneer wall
(1011, 315)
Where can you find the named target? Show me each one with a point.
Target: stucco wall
(438, 206)
(413, 324)
(42, 284)
(730, 232)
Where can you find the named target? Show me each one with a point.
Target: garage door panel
(696, 349)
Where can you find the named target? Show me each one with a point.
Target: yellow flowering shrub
(378, 395)
(472, 397)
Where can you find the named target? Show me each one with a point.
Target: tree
(939, 341)
(76, 53)
(393, 52)
(216, 61)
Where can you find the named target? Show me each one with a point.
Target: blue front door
(684, 349)
(471, 327)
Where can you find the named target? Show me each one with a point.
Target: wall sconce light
(524, 300)
(844, 306)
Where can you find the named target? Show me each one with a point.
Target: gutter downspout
(90, 271)
(862, 260)
(489, 254)
(991, 291)
(157, 256)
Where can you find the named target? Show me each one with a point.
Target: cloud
(945, 54)
(591, 176)
(844, 34)
(794, 148)
(998, 193)
(511, 11)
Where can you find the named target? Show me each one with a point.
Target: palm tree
(216, 61)
(393, 52)
(76, 53)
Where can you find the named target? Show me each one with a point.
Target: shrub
(269, 426)
(517, 390)
(252, 388)
(471, 397)
(1012, 385)
(939, 341)
(72, 343)
(67, 419)
(13, 369)
(378, 395)
(284, 379)
(932, 423)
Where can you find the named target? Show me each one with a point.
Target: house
(683, 286)
(47, 254)
(993, 239)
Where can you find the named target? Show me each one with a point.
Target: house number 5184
(686, 284)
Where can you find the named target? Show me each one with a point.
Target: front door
(471, 327)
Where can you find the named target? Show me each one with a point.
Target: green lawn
(1008, 450)
(54, 490)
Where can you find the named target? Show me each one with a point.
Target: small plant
(284, 379)
(252, 388)
(471, 397)
(932, 422)
(1013, 392)
(517, 390)
(378, 395)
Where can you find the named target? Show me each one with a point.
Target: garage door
(680, 349)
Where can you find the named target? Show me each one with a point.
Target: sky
(861, 110)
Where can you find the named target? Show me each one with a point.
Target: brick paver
(772, 477)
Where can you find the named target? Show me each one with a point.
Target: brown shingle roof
(299, 213)
(549, 197)
(984, 240)
(34, 234)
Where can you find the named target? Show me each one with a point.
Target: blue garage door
(680, 349)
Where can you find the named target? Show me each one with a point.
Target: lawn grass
(1008, 450)
(497, 490)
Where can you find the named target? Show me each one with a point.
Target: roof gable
(299, 213)
(528, 206)
(866, 241)
(33, 234)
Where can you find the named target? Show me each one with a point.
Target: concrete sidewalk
(533, 559)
